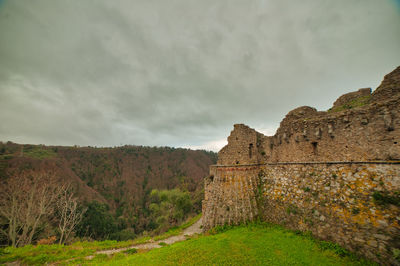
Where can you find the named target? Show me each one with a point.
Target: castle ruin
(334, 173)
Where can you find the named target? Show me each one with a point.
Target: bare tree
(10, 210)
(69, 214)
(25, 200)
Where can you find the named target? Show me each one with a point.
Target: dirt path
(193, 229)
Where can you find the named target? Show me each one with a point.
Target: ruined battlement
(359, 127)
(334, 173)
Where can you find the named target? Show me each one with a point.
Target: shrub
(47, 241)
(97, 223)
(169, 208)
(123, 235)
(396, 254)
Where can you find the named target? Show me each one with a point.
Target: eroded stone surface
(365, 133)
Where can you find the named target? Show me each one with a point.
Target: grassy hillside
(255, 244)
(244, 245)
(120, 178)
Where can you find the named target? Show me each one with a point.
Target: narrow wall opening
(314, 145)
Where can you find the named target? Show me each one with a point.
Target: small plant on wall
(384, 198)
(292, 209)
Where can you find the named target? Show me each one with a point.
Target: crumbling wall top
(360, 126)
(389, 87)
(352, 96)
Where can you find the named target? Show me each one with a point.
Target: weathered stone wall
(370, 132)
(334, 201)
(360, 127)
(230, 195)
(334, 173)
(245, 147)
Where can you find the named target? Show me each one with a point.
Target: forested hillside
(128, 189)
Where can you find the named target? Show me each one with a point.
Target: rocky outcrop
(389, 87)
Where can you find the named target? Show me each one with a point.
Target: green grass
(41, 254)
(360, 101)
(254, 244)
(36, 255)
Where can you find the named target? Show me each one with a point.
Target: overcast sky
(182, 72)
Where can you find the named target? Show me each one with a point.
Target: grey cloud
(180, 72)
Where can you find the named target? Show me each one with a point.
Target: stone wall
(245, 147)
(360, 127)
(369, 132)
(230, 195)
(334, 173)
(348, 203)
